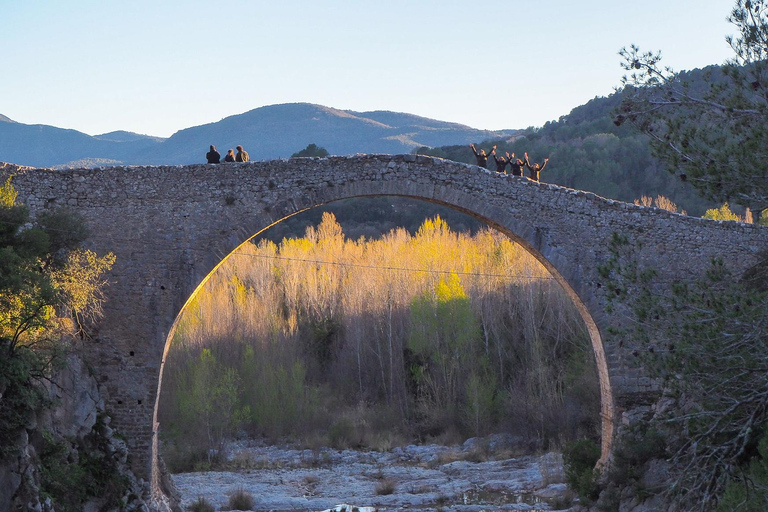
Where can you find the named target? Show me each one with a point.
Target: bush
(749, 492)
(385, 487)
(201, 505)
(71, 474)
(341, 433)
(580, 459)
(241, 500)
(631, 453)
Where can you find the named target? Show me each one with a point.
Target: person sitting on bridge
(517, 165)
(536, 168)
(213, 156)
(482, 158)
(230, 157)
(242, 155)
(501, 163)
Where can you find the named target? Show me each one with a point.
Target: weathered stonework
(171, 226)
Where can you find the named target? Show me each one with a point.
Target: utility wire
(323, 262)
(399, 269)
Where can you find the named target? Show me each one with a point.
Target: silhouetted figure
(501, 163)
(516, 165)
(213, 156)
(230, 157)
(242, 155)
(482, 158)
(536, 168)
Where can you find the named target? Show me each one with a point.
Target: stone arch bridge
(171, 226)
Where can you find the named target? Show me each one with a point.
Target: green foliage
(279, 397)
(38, 287)
(342, 433)
(579, 460)
(444, 332)
(7, 194)
(588, 151)
(713, 134)
(722, 213)
(208, 402)
(62, 481)
(71, 475)
(747, 491)
(311, 150)
(332, 339)
(481, 402)
(705, 342)
(632, 451)
(65, 229)
(20, 398)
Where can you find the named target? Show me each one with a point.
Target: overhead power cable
(323, 262)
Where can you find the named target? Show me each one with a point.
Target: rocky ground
(477, 476)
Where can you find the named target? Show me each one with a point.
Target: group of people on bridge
(214, 157)
(515, 164)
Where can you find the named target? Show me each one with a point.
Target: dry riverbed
(477, 476)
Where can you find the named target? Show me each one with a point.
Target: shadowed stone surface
(171, 226)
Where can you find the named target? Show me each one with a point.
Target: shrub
(240, 500)
(749, 492)
(201, 505)
(341, 433)
(631, 453)
(385, 487)
(580, 459)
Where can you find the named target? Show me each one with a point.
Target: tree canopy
(46, 281)
(712, 135)
(311, 150)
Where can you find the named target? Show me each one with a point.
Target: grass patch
(240, 499)
(201, 505)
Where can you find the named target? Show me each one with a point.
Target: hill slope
(277, 131)
(588, 151)
(268, 132)
(47, 146)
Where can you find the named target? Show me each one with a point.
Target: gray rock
(418, 479)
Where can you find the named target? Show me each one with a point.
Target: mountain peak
(124, 136)
(4, 119)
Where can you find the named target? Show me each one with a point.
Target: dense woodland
(437, 335)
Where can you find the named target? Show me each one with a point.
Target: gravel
(422, 478)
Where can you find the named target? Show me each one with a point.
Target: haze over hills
(46, 146)
(275, 131)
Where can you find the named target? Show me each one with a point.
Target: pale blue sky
(158, 66)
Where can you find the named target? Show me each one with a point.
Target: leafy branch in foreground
(706, 344)
(716, 136)
(43, 278)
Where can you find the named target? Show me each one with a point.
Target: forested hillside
(368, 343)
(587, 151)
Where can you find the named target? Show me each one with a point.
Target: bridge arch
(171, 226)
(607, 414)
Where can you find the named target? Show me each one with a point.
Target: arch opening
(606, 401)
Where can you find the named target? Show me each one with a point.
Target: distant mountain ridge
(274, 131)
